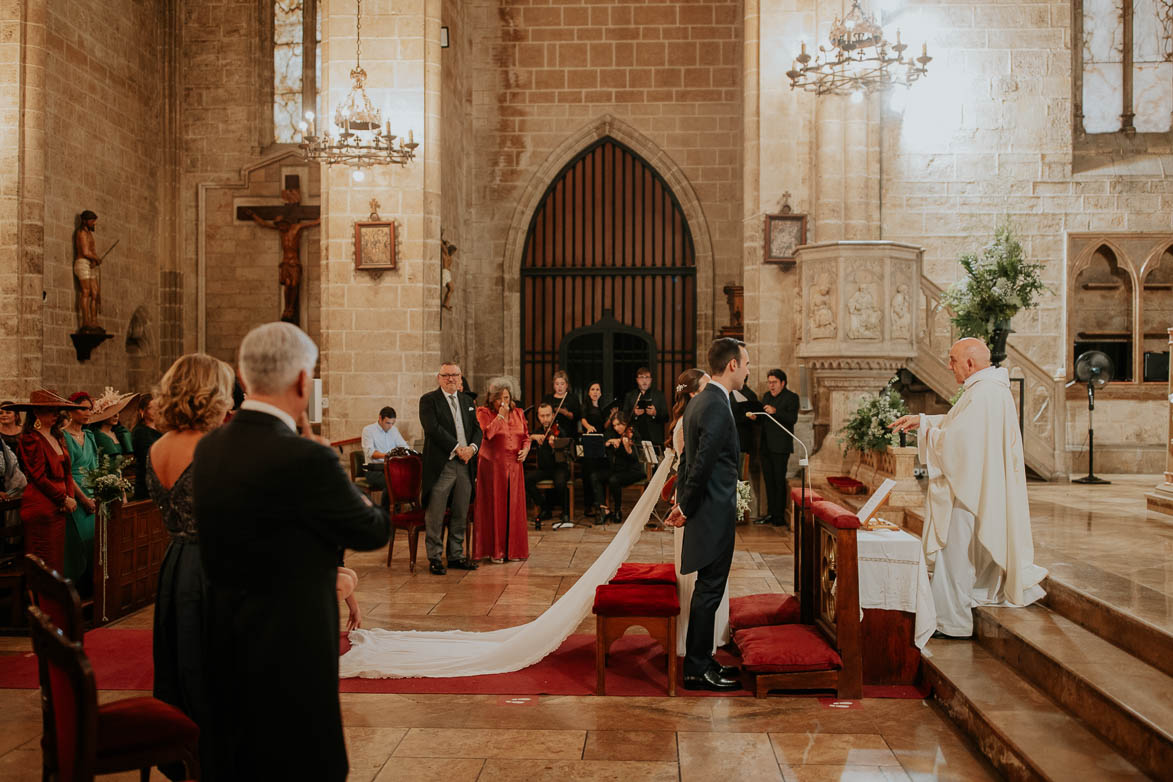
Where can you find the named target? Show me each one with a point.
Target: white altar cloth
(893, 576)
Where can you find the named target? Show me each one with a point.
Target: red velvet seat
(621, 606)
(766, 610)
(788, 648)
(135, 733)
(405, 483)
(645, 573)
(810, 496)
(835, 515)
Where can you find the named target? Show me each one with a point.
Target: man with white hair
(977, 521)
(274, 510)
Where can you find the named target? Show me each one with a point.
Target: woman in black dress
(594, 421)
(567, 409)
(192, 398)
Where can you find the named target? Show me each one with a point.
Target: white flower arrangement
(744, 498)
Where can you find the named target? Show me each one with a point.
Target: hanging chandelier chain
(358, 34)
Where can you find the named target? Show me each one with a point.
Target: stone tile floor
(392, 737)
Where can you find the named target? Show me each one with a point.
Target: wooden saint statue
(85, 267)
(288, 221)
(447, 286)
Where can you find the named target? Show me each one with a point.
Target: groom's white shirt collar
(724, 390)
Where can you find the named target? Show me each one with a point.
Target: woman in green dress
(104, 423)
(83, 455)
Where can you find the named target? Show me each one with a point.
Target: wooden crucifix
(288, 219)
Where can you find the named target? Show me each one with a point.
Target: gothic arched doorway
(608, 259)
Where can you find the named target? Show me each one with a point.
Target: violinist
(567, 408)
(623, 467)
(549, 469)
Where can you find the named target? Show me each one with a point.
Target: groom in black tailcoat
(706, 507)
(274, 508)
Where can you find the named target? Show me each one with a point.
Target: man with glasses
(452, 438)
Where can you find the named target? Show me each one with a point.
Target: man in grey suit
(706, 507)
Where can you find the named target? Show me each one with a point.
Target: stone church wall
(103, 151)
(20, 362)
(542, 73)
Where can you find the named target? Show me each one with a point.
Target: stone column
(857, 326)
(1160, 499)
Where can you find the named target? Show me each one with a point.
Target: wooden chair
(823, 653)
(55, 596)
(405, 479)
(358, 472)
(12, 563)
(548, 485)
(88, 739)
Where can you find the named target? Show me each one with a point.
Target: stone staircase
(1045, 694)
(1040, 396)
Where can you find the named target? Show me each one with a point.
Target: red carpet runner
(637, 667)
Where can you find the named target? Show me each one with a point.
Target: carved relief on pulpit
(901, 309)
(823, 308)
(864, 320)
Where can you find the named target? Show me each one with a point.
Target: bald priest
(977, 521)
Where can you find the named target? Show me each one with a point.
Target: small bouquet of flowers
(867, 428)
(105, 482)
(744, 498)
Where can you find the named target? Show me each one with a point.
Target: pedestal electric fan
(1095, 369)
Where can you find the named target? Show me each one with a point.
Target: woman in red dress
(49, 496)
(500, 505)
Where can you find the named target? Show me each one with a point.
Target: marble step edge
(1143, 640)
(1135, 735)
(1013, 759)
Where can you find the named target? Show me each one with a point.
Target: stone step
(1024, 734)
(1123, 699)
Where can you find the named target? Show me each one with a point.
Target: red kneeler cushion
(645, 573)
(636, 600)
(776, 608)
(797, 495)
(140, 724)
(785, 649)
(835, 515)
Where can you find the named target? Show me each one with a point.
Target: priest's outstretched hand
(904, 423)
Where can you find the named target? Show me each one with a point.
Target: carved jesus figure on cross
(289, 223)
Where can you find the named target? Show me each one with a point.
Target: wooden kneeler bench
(652, 606)
(822, 649)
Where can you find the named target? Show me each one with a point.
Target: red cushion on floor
(836, 515)
(785, 649)
(645, 573)
(777, 608)
(137, 724)
(811, 496)
(636, 600)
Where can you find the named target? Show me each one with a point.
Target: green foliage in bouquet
(998, 283)
(867, 428)
(105, 482)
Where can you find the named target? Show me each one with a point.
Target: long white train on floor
(386, 654)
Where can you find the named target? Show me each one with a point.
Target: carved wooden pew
(128, 552)
(823, 650)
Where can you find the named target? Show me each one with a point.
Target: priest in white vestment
(977, 521)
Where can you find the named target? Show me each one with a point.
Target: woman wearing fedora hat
(49, 496)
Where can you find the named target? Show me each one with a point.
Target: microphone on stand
(805, 460)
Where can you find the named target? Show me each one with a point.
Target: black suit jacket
(707, 479)
(648, 427)
(440, 434)
(774, 439)
(273, 510)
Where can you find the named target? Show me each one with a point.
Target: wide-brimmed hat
(109, 404)
(41, 399)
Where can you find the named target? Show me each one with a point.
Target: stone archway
(531, 197)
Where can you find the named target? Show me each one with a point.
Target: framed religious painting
(374, 245)
(784, 234)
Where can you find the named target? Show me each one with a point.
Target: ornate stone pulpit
(857, 327)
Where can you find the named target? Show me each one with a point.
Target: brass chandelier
(362, 139)
(860, 60)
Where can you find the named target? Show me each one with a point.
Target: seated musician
(623, 467)
(548, 469)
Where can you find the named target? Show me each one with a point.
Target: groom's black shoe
(726, 671)
(711, 680)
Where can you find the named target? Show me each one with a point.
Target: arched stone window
(1156, 315)
(1101, 311)
(297, 67)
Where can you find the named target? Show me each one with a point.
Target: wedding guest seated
(10, 428)
(500, 532)
(623, 467)
(143, 436)
(567, 409)
(378, 439)
(548, 469)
